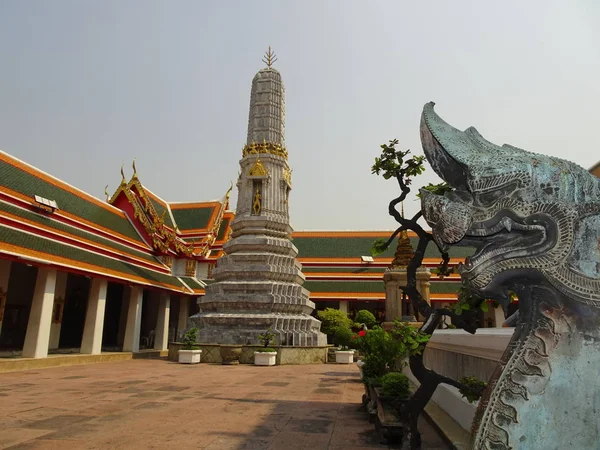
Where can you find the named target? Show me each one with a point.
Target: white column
(161, 338)
(498, 316)
(94, 318)
(184, 313)
(344, 306)
(131, 342)
(37, 338)
(4, 277)
(57, 309)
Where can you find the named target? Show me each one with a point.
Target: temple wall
(456, 354)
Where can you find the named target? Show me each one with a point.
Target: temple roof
(335, 269)
(78, 232)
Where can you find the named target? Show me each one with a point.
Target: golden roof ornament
(123, 180)
(258, 170)
(269, 58)
(106, 192)
(134, 169)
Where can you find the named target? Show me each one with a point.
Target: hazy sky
(87, 85)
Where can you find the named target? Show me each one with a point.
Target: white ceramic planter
(344, 356)
(189, 356)
(264, 358)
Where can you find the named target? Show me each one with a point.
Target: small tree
(332, 319)
(397, 164)
(189, 339)
(268, 338)
(366, 317)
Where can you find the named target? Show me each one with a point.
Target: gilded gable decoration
(258, 170)
(162, 237)
(190, 268)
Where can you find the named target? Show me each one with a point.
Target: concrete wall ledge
(488, 343)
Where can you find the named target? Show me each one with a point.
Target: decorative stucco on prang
(258, 281)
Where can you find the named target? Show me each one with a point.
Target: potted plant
(343, 338)
(391, 396)
(190, 353)
(265, 356)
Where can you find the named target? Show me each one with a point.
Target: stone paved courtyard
(155, 404)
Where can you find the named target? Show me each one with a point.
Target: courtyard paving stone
(155, 404)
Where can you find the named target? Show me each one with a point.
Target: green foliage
(366, 317)
(343, 337)
(473, 388)
(332, 319)
(437, 189)
(394, 163)
(268, 338)
(395, 384)
(189, 340)
(378, 247)
(411, 339)
(467, 301)
(265, 350)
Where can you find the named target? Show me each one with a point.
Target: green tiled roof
(356, 270)
(223, 229)
(192, 282)
(160, 209)
(444, 287)
(192, 218)
(53, 248)
(61, 227)
(355, 247)
(21, 181)
(345, 286)
(337, 247)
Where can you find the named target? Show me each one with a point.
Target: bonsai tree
(366, 317)
(400, 166)
(332, 319)
(189, 339)
(267, 339)
(343, 337)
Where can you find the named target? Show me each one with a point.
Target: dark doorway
(21, 285)
(112, 316)
(76, 299)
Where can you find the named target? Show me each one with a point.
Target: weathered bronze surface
(535, 221)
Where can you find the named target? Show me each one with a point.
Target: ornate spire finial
(106, 192)
(134, 169)
(269, 58)
(123, 181)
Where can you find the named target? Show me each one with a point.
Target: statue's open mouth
(505, 236)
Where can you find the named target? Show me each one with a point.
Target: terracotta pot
(230, 354)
